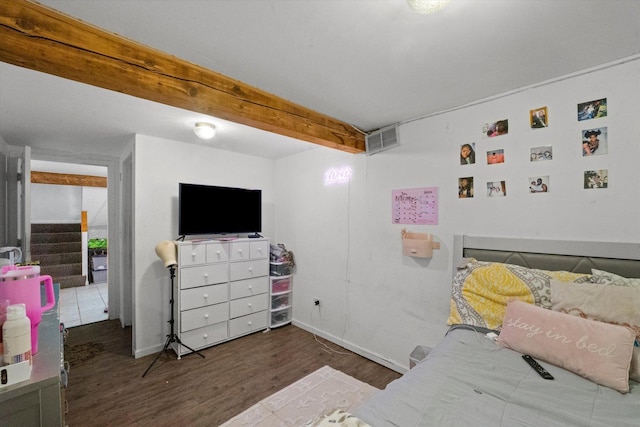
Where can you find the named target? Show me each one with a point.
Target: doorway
(69, 236)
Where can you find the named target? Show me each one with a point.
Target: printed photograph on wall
(495, 156)
(538, 118)
(544, 152)
(592, 109)
(539, 184)
(501, 127)
(594, 141)
(496, 189)
(468, 154)
(596, 179)
(465, 187)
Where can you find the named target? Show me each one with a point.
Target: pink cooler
(22, 285)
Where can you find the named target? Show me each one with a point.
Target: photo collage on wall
(593, 142)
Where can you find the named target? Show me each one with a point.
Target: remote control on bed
(536, 367)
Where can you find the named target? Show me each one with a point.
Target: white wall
(382, 304)
(52, 204)
(159, 165)
(64, 203)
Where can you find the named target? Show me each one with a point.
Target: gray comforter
(467, 380)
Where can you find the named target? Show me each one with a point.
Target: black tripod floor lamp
(166, 250)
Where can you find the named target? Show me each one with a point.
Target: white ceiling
(370, 63)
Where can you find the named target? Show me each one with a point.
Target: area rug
(306, 401)
(79, 353)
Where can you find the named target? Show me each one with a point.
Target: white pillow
(606, 278)
(619, 305)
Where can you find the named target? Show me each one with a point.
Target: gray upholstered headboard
(575, 256)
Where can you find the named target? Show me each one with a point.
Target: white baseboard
(352, 347)
(150, 350)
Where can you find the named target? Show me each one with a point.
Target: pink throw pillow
(598, 351)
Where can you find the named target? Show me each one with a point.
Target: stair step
(62, 237)
(54, 248)
(55, 228)
(61, 270)
(58, 249)
(61, 258)
(71, 281)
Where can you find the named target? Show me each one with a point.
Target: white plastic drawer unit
(204, 316)
(247, 269)
(249, 287)
(209, 274)
(246, 324)
(244, 306)
(281, 284)
(203, 296)
(280, 317)
(280, 301)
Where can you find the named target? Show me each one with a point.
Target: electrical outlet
(316, 302)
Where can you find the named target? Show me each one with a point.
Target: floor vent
(382, 139)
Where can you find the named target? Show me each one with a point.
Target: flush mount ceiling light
(427, 7)
(204, 130)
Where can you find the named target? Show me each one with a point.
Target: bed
(576, 315)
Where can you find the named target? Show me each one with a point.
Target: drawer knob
(205, 336)
(250, 287)
(250, 268)
(414, 251)
(205, 295)
(249, 305)
(239, 251)
(193, 254)
(206, 316)
(249, 323)
(218, 252)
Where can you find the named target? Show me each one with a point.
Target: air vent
(382, 139)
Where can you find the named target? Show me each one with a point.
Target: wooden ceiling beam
(68, 179)
(42, 39)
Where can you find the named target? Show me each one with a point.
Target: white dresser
(221, 291)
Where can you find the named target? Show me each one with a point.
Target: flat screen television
(208, 209)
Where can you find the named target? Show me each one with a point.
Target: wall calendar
(415, 206)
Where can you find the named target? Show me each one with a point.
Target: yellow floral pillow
(480, 291)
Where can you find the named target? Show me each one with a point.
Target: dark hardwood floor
(109, 390)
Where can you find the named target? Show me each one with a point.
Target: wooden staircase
(58, 249)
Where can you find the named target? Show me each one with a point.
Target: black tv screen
(207, 209)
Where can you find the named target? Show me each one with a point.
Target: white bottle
(16, 335)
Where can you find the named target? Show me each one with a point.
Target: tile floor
(84, 304)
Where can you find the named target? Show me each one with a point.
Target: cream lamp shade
(166, 251)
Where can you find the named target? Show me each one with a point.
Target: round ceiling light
(427, 7)
(204, 130)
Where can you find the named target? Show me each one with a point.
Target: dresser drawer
(202, 296)
(204, 337)
(259, 249)
(248, 269)
(192, 254)
(248, 305)
(245, 324)
(204, 316)
(217, 252)
(240, 251)
(191, 277)
(249, 287)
